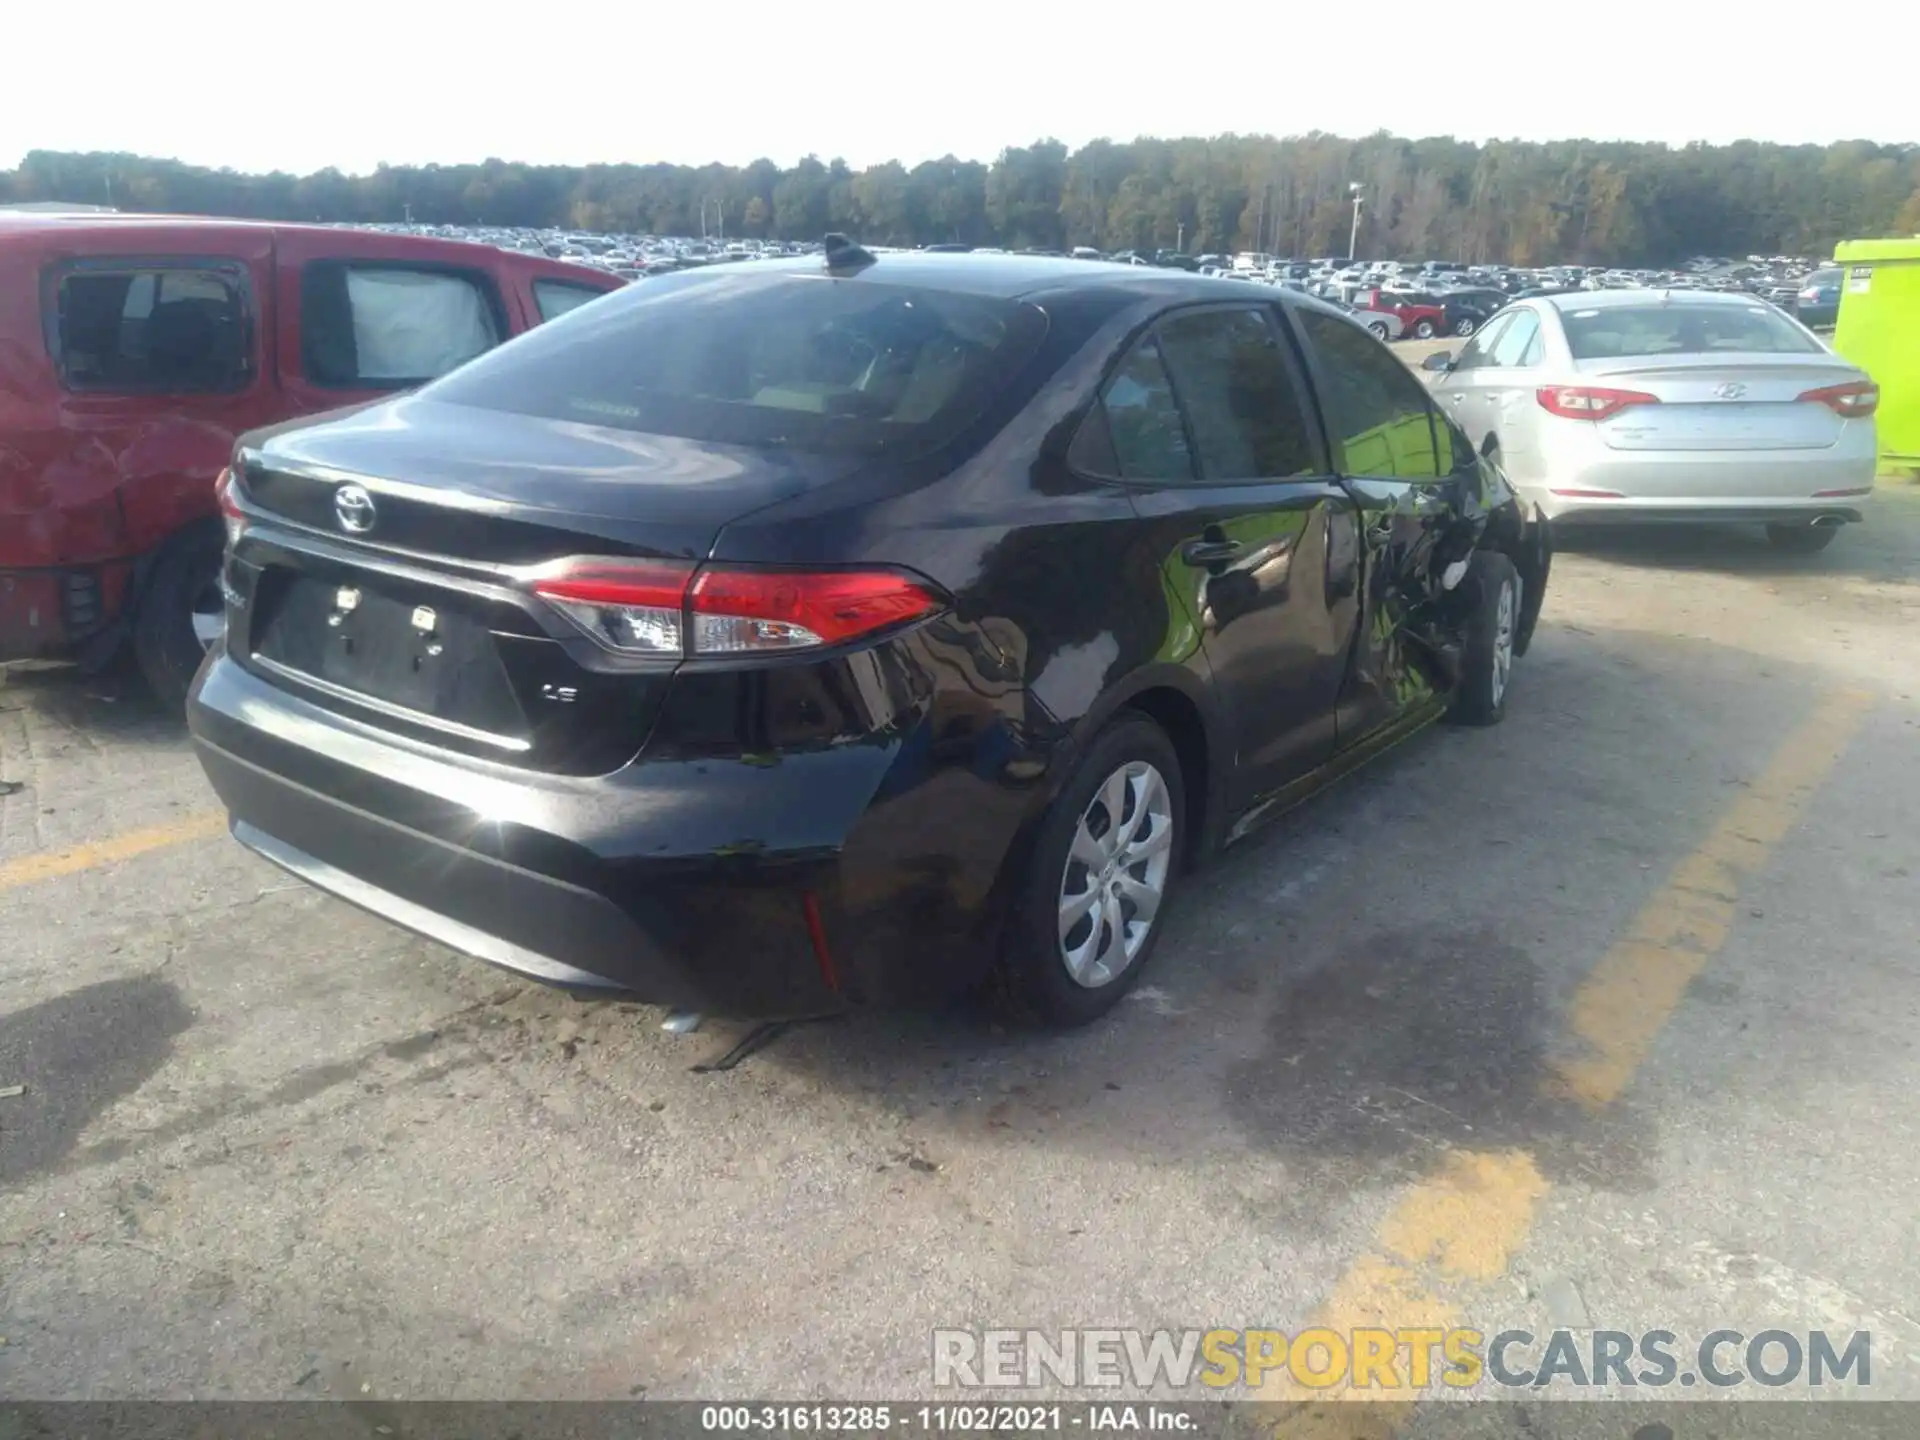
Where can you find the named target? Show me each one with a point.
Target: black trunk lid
(380, 575)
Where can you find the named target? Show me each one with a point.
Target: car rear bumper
(1635, 512)
(1581, 477)
(771, 890)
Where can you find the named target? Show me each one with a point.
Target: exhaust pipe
(1829, 520)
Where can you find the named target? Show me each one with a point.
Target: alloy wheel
(1116, 874)
(1504, 619)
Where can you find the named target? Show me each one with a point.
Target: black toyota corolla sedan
(773, 639)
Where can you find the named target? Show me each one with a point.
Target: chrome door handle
(1210, 552)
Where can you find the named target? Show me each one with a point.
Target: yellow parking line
(1628, 997)
(29, 869)
(1467, 1221)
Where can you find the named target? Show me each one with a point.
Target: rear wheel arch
(1176, 699)
(1176, 713)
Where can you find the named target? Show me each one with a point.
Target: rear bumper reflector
(1587, 494)
(1838, 494)
(817, 933)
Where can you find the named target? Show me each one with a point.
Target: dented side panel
(90, 480)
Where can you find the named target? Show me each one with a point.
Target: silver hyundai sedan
(1650, 405)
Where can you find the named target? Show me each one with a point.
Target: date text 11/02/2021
(948, 1419)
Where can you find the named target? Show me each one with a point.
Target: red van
(134, 348)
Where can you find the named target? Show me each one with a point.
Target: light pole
(1353, 236)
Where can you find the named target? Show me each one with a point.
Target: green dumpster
(1879, 330)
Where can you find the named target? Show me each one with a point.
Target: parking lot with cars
(1599, 1019)
(871, 651)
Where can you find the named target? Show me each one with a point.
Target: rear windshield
(1606, 332)
(795, 359)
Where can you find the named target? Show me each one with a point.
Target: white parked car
(1676, 405)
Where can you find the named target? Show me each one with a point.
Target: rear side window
(791, 359)
(1239, 396)
(161, 328)
(1606, 332)
(381, 327)
(1372, 402)
(1135, 431)
(555, 297)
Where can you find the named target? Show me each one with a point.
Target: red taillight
(664, 608)
(1852, 402)
(746, 610)
(817, 933)
(231, 515)
(1589, 402)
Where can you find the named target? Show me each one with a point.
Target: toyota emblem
(1732, 390)
(353, 508)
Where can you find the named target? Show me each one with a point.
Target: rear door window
(175, 328)
(556, 297)
(1519, 345)
(1478, 354)
(386, 327)
(1372, 402)
(1239, 395)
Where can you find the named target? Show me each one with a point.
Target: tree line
(1511, 202)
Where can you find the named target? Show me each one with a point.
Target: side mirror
(1439, 362)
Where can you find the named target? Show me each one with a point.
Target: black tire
(1032, 981)
(1423, 330)
(1464, 326)
(1481, 696)
(164, 643)
(1801, 539)
(1379, 331)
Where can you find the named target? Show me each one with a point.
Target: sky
(265, 84)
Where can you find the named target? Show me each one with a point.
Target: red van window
(145, 328)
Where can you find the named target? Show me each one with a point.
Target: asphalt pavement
(1602, 1018)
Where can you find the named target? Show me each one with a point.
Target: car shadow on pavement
(1408, 1044)
(76, 1054)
